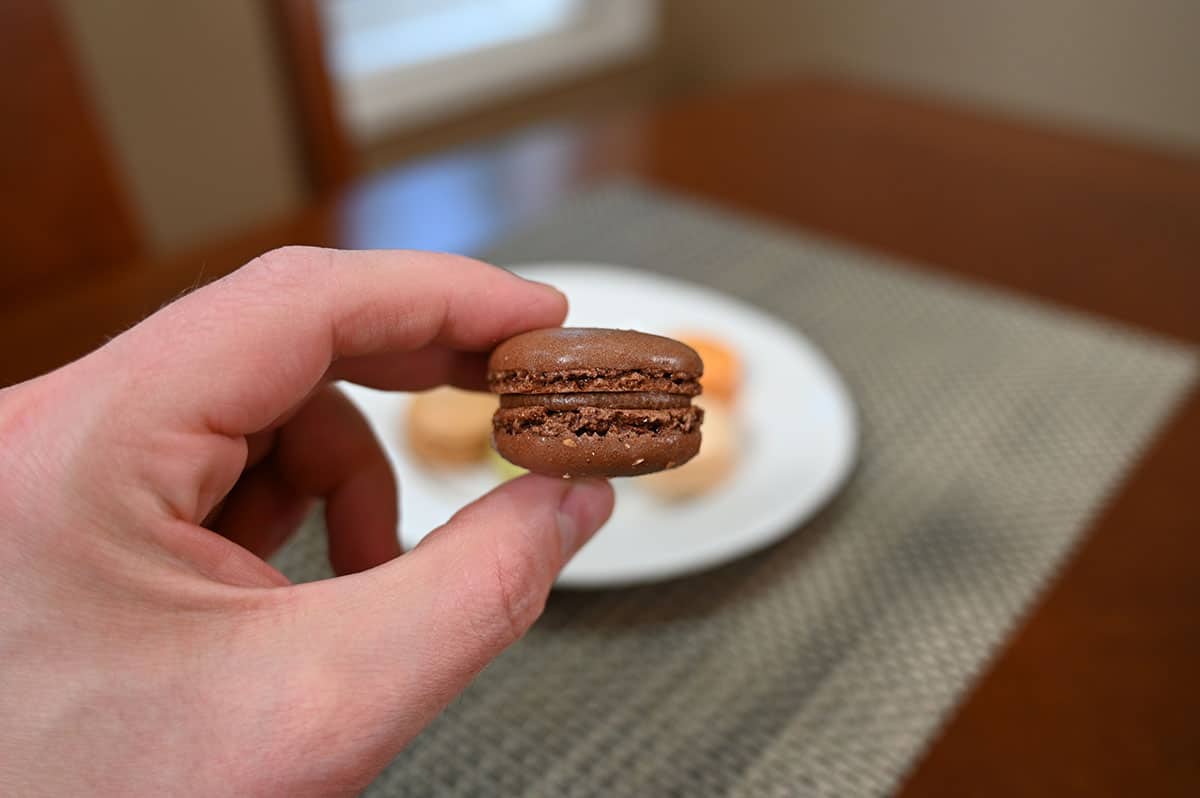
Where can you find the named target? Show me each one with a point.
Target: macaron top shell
(563, 349)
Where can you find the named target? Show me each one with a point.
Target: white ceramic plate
(794, 412)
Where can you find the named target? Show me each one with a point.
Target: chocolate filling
(594, 381)
(595, 420)
(630, 400)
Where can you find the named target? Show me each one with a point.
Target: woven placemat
(992, 431)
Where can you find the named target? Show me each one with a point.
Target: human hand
(146, 646)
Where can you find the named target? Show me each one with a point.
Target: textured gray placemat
(993, 430)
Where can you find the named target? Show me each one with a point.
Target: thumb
(404, 638)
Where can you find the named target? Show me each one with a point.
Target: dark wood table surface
(1098, 693)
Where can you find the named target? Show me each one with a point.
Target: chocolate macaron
(579, 401)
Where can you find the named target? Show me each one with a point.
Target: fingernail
(553, 288)
(568, 531)
(584, 508)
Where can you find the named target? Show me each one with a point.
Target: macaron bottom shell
(613, 455)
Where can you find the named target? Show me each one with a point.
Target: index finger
(236, 354)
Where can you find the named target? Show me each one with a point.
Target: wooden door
(62, 210)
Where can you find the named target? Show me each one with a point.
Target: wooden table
(1099, 691)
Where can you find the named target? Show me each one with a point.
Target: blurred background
(135, 129)
(192, 104)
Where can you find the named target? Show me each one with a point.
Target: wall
(1114, 66)
(193, 101)
(1121, 66)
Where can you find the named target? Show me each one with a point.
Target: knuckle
(520, 592)
(287, 264)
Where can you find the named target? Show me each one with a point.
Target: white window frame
(382, 102)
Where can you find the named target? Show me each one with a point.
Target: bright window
(400, 62)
